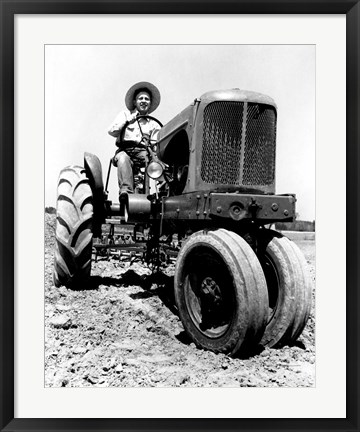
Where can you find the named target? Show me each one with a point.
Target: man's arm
(120, 121)
(154, 131)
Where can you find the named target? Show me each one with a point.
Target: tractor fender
(93, 170)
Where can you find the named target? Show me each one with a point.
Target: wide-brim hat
(143, 85)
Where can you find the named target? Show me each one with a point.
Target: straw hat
(143, 85)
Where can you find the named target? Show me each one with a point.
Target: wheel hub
(210, 289)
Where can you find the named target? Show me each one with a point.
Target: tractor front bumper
(232, 206)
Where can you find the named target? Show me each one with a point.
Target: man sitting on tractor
(130, 128)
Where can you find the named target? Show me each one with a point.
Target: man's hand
(133, 116)
(114, 161)
(145, 139)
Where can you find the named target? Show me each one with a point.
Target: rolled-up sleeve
(116, 126)
(155, 128)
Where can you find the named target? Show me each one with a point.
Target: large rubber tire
(220, 292)
(289, 288)
(74, 223)
(304, 299)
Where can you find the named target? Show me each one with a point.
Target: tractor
(207, 200)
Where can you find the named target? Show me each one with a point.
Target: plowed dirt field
(124, 331)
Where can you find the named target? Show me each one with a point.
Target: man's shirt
(133, 132)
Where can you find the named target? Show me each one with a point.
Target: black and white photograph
(179, 223)
(180, 216)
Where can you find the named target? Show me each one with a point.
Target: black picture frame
(8, 10)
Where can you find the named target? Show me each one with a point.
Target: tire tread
(73, 233)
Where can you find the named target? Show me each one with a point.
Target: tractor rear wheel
(74, 224)
(220, 292)
(289, 288)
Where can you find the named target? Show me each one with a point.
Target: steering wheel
(121, 140)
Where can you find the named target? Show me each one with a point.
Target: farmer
(141, 99)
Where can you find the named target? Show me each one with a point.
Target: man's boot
(124, 204)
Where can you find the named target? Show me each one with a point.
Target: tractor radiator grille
(238, 144)
(222, 142)
(259, 157)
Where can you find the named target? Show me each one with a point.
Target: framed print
(155, 338)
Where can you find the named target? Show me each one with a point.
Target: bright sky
(85, 86)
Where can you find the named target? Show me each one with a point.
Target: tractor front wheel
(74, 228)
(289, 288)
(220, 292)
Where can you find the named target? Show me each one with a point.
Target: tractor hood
(237, 95)
(178, 123)
(186, 118)
(224, 140)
